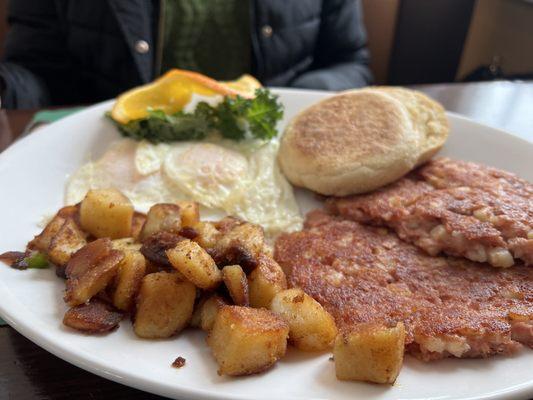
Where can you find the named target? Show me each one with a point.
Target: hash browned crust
(450, 307)
(482, 210)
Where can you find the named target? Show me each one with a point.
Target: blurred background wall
(380, 20)
(406, 34)
(428, 41)
(500, 28)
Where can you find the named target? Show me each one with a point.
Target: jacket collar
(134, 20)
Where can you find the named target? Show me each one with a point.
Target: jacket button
(266, 31)
(142, 46)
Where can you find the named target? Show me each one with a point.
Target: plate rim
(97, 366)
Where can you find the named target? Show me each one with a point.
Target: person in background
(82, 51)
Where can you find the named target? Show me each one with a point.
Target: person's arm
(341, 57)
(35, 58)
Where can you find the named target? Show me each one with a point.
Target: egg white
(149, 157)
(118, 168)
(206, 171)
(267, 198)
(225, 177)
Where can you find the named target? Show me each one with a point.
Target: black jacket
(83, 51)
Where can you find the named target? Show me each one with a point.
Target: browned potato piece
(188, 232)
(237, 284)
(206, 300)
(196, 318)
(265, 281)
(209, 311)
(42, 241)
(86, 257)
(155, 246)
(311, 327)
(195, 264)
(126, 244)
(226, 224)
(93, 317)
(370, 353)
(137, 224)
(68, 240)
(151, 267)
(241, 245)
(206, 234)
(131, 271)
(164, 217)
(190, 213)
(247, 235)
(70, 212)
(164, 305)
(106, 213)
(80, 288)
(247, 340)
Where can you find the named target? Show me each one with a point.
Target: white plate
(32, 176)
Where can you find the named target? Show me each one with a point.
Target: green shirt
(208, 36)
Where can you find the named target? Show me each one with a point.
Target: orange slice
(172, 91)
(245, 85)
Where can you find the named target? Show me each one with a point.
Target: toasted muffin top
(360, 140)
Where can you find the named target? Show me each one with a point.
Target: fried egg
(149, 157)
(207, 171)
(227, 178)
(118, 168)
(267, 196)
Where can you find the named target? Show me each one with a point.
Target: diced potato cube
(370, 353)
(126, 244)
(247, 340)
(207, 235)
(195, 264)
(237, 284)
(106, 213)
(131, 271)
(164, 305)
(265, 281)
(241, 245)
(196, 318)
(137, 224)
(311, 327)
(82, 287)
(190, 213)
(209, 312)
(67, 241)
(42, 241)
(164, 217)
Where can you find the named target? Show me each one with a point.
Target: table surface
(29, 372)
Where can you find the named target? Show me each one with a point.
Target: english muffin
(360, 140)
(428, 118)
(353, 142)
